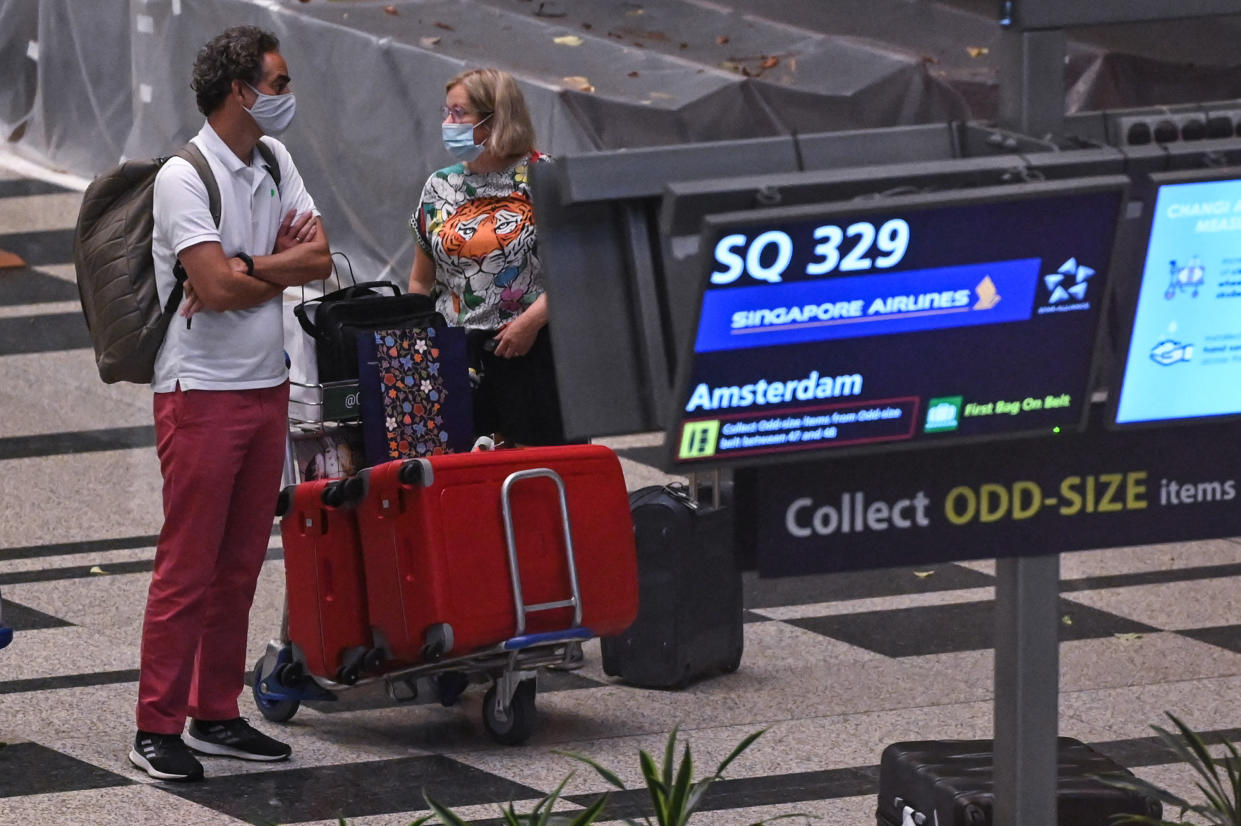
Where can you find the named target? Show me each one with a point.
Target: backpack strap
(269, 161)
(194, 156)
(191, 154)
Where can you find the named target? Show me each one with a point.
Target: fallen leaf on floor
(1128, 636)
(95, 569)
(632, 74)
(977, 51)
(391, 10)
(923, 574)
(568, 40)
(1066, 619)
(443, 26)
(587, 26)
(722, 39)
(635, 12)
(770, 62)
(581, 84)
(661, 95)
(428, 42)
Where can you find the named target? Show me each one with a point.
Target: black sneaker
(165, 757)
(234, 738)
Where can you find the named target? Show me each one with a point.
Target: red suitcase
(436, 548)
(324, 580)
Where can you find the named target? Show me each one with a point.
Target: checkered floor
(836, 667)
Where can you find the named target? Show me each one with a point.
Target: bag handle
(363, 290)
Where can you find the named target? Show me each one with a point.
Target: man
(221, 403)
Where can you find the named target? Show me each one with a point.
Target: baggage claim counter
(999, 355)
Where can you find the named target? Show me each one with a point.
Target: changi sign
(932, 318)
(1184, 354)
(1104, 487)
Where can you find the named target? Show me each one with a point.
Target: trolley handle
(506, 509)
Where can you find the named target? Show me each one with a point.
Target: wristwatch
(248, 261)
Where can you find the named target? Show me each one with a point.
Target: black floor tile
(804, 590)
(89, 546)
(22, 285)
(67, 681)
(27, 186)
(1225, 636)
(940, 629)
(1162, 577)
(20, 618)
(42, 333)
(82, 441)
(1152, 751)
(29, 768)
(40, 248)
(352, 790)
(136, 566)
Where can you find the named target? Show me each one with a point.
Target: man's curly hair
(236, 54)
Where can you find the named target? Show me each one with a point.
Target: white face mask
(272, 113)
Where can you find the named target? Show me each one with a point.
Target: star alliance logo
(1063, 289)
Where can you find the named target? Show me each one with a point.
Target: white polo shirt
(235, 349)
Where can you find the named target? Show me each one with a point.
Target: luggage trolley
(289, 674)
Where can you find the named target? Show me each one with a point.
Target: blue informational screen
(1184, 349)
(916, 319)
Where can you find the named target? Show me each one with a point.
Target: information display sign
(1183, 356)
(878, 324)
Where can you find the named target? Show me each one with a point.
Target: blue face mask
(459, 140)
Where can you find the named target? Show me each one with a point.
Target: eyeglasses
(456, 113)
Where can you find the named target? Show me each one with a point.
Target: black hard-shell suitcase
(689, 594)
(950, 783)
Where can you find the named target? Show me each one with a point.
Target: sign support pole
(1026, 690)
(1027, 670)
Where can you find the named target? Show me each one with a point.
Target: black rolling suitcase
(950, 783)
(689, 593)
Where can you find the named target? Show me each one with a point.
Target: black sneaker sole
(141, 762)
(220, 750)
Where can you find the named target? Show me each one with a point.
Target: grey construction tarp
(89, 83)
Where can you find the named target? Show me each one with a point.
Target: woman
(477, 252)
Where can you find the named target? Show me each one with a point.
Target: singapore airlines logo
(988, 295)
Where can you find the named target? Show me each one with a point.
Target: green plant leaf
(1222, 794)
(446, 815)
(591, 813)
(669, 754)
(657, 790)
(677, 809)
(421, 820)
(606, 774)
(696, 795)
(742, 746)
(1195, 752)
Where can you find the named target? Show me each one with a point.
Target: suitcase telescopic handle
(506, 508)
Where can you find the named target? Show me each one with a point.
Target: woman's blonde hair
(495, 92)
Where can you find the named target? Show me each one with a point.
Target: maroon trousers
(221, 453)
